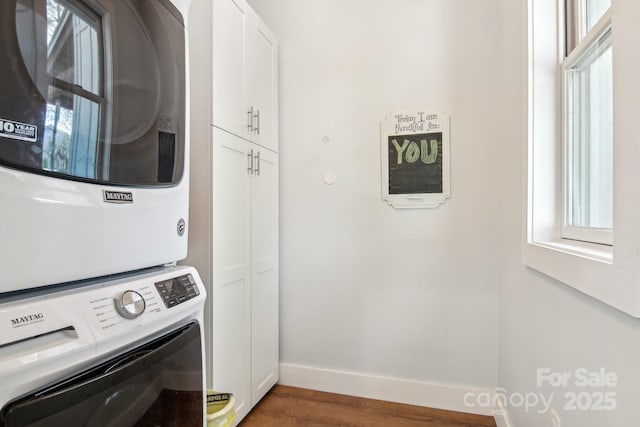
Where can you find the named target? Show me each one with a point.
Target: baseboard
(501, 415)
(432, 395)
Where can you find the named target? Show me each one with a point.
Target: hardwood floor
(289, 406)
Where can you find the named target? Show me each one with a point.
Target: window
(582, 217)
(587, 82)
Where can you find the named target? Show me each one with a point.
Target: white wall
(365, 288)
(414, 294)
(543, 323)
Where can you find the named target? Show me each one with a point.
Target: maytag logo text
(117, 196)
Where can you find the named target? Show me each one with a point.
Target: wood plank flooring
(289, 406)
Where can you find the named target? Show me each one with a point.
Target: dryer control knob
(130, 304)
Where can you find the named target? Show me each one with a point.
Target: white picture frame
(415, 154)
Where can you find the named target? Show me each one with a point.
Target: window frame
(578, 42)
(610, 274)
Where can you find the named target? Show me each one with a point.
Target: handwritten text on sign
(415, 163)
(413, 123)
(428, 154)
(415, 150)
(415, 156)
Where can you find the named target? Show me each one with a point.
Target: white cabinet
(245, 359)
(262, 82)
(245, 56)
(233, 234)
(264, 273)
(230, 356)
(230, 95)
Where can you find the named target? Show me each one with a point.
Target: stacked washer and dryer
(98, 325)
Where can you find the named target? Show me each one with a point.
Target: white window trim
(610, 274)
(602, 27)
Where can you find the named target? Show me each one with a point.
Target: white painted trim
(501, 415)
(610, 274)
(432, 395)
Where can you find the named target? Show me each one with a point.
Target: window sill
(588, 268)
(609, 274)
(592, 251)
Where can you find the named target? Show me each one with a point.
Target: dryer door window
(93, 90)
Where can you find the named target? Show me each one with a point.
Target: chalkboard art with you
(415, 164)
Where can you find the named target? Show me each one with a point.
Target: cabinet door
(264, 284)
(228, 67)
(262, 81)
(231, 298)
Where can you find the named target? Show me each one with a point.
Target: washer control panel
(147, 299)
(177, 290)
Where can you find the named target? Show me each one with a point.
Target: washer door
(156, 384)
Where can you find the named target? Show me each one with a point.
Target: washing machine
(127, 351)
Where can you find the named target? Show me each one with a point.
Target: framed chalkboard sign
(415, 159)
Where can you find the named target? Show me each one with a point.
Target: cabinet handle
(257, 157)
(250, 119)
(257, 116)
(250, 162)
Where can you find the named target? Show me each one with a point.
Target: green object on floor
(220, 409)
